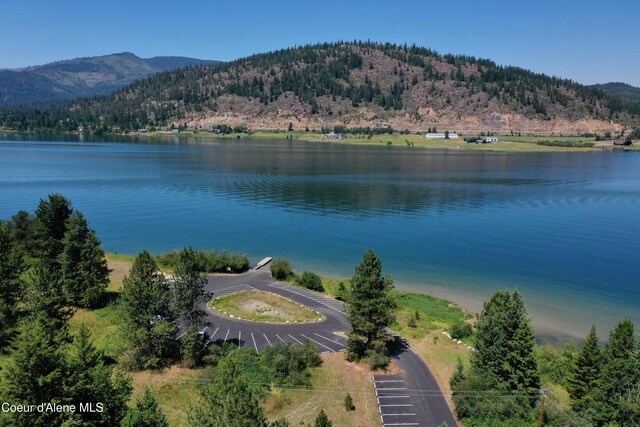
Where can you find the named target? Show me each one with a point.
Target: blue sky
(588, 41)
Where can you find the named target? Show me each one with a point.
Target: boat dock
(262, 263)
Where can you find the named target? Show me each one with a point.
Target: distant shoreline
(505, 143)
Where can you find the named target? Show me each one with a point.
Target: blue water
(562, 228)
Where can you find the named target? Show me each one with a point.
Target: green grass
(434, 313)
(120, 257)
(176, 390)
(260, 306)
(104, 326)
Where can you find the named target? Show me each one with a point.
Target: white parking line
(399, 415)
(265, 337)
(239, 338)
(389, 381)
(279, 338)
(211, 336)
(295, 339)
(254, 342)
(392, 388)
(393, 406)
(311, 339)
(203, 331)
(395, 397)
(401, 424)
(226, 336)
(328, 339)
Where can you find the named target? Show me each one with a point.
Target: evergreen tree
(44, 297)
(192, 348)
(322, 420)
(370, 306)
(227, 401)
(621, 341)
(11, 285)
(88, 380)
(148, 317)
(188, 290)
(146, 413)
(503, 364)
(586, 371)
(84, 269)
(35, 373)
(51, 224)
(616, 399)
(458, 374)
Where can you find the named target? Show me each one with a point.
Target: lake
(562, 228)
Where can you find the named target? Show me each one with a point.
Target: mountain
(65, 80)
(355, 84)
(622, 90)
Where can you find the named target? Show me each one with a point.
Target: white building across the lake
(440, 135)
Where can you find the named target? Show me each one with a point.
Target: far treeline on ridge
(355, 84)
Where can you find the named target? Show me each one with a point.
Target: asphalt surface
(419, 401)
(327, 335)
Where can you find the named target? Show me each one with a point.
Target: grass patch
(104, 326)
(331, 383)
(260, 306)
(433, 313)
(557, 143)
(176, 389)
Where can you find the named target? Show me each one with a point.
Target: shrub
(311, 281)
(281, 269)
(460, 330)
(348, 403)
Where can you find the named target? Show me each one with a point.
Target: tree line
(505, 385)
(51, 263)
(313, 72)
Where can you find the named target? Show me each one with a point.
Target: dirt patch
(331, 383)
(118, 269)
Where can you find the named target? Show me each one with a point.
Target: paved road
(427, 405)
(327, 335)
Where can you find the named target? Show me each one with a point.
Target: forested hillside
(352, 84)
(66, 80)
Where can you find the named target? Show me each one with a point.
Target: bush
(378, 356)
(460, 330)
(342, 293)
(209, 261)
(288, 363)
(412, 323)
(281, 269)
(348, 403)
(311, 281)
(192, 348)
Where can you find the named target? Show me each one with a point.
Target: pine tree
(192, 348)
(146, 413)
(11, 285)
(35, 373)
(586, 371)
(458, 374)
(188, 290)
(44, 298)
(148, 317)
(84, 268)
(51, 224)
(322, 420)
(502, 365)
(621, 341)
(616, 399)
(88, 380)
(228, 401)
(370, 306)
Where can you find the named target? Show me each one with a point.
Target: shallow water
(560, 227)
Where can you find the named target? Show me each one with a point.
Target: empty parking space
(395, 401)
